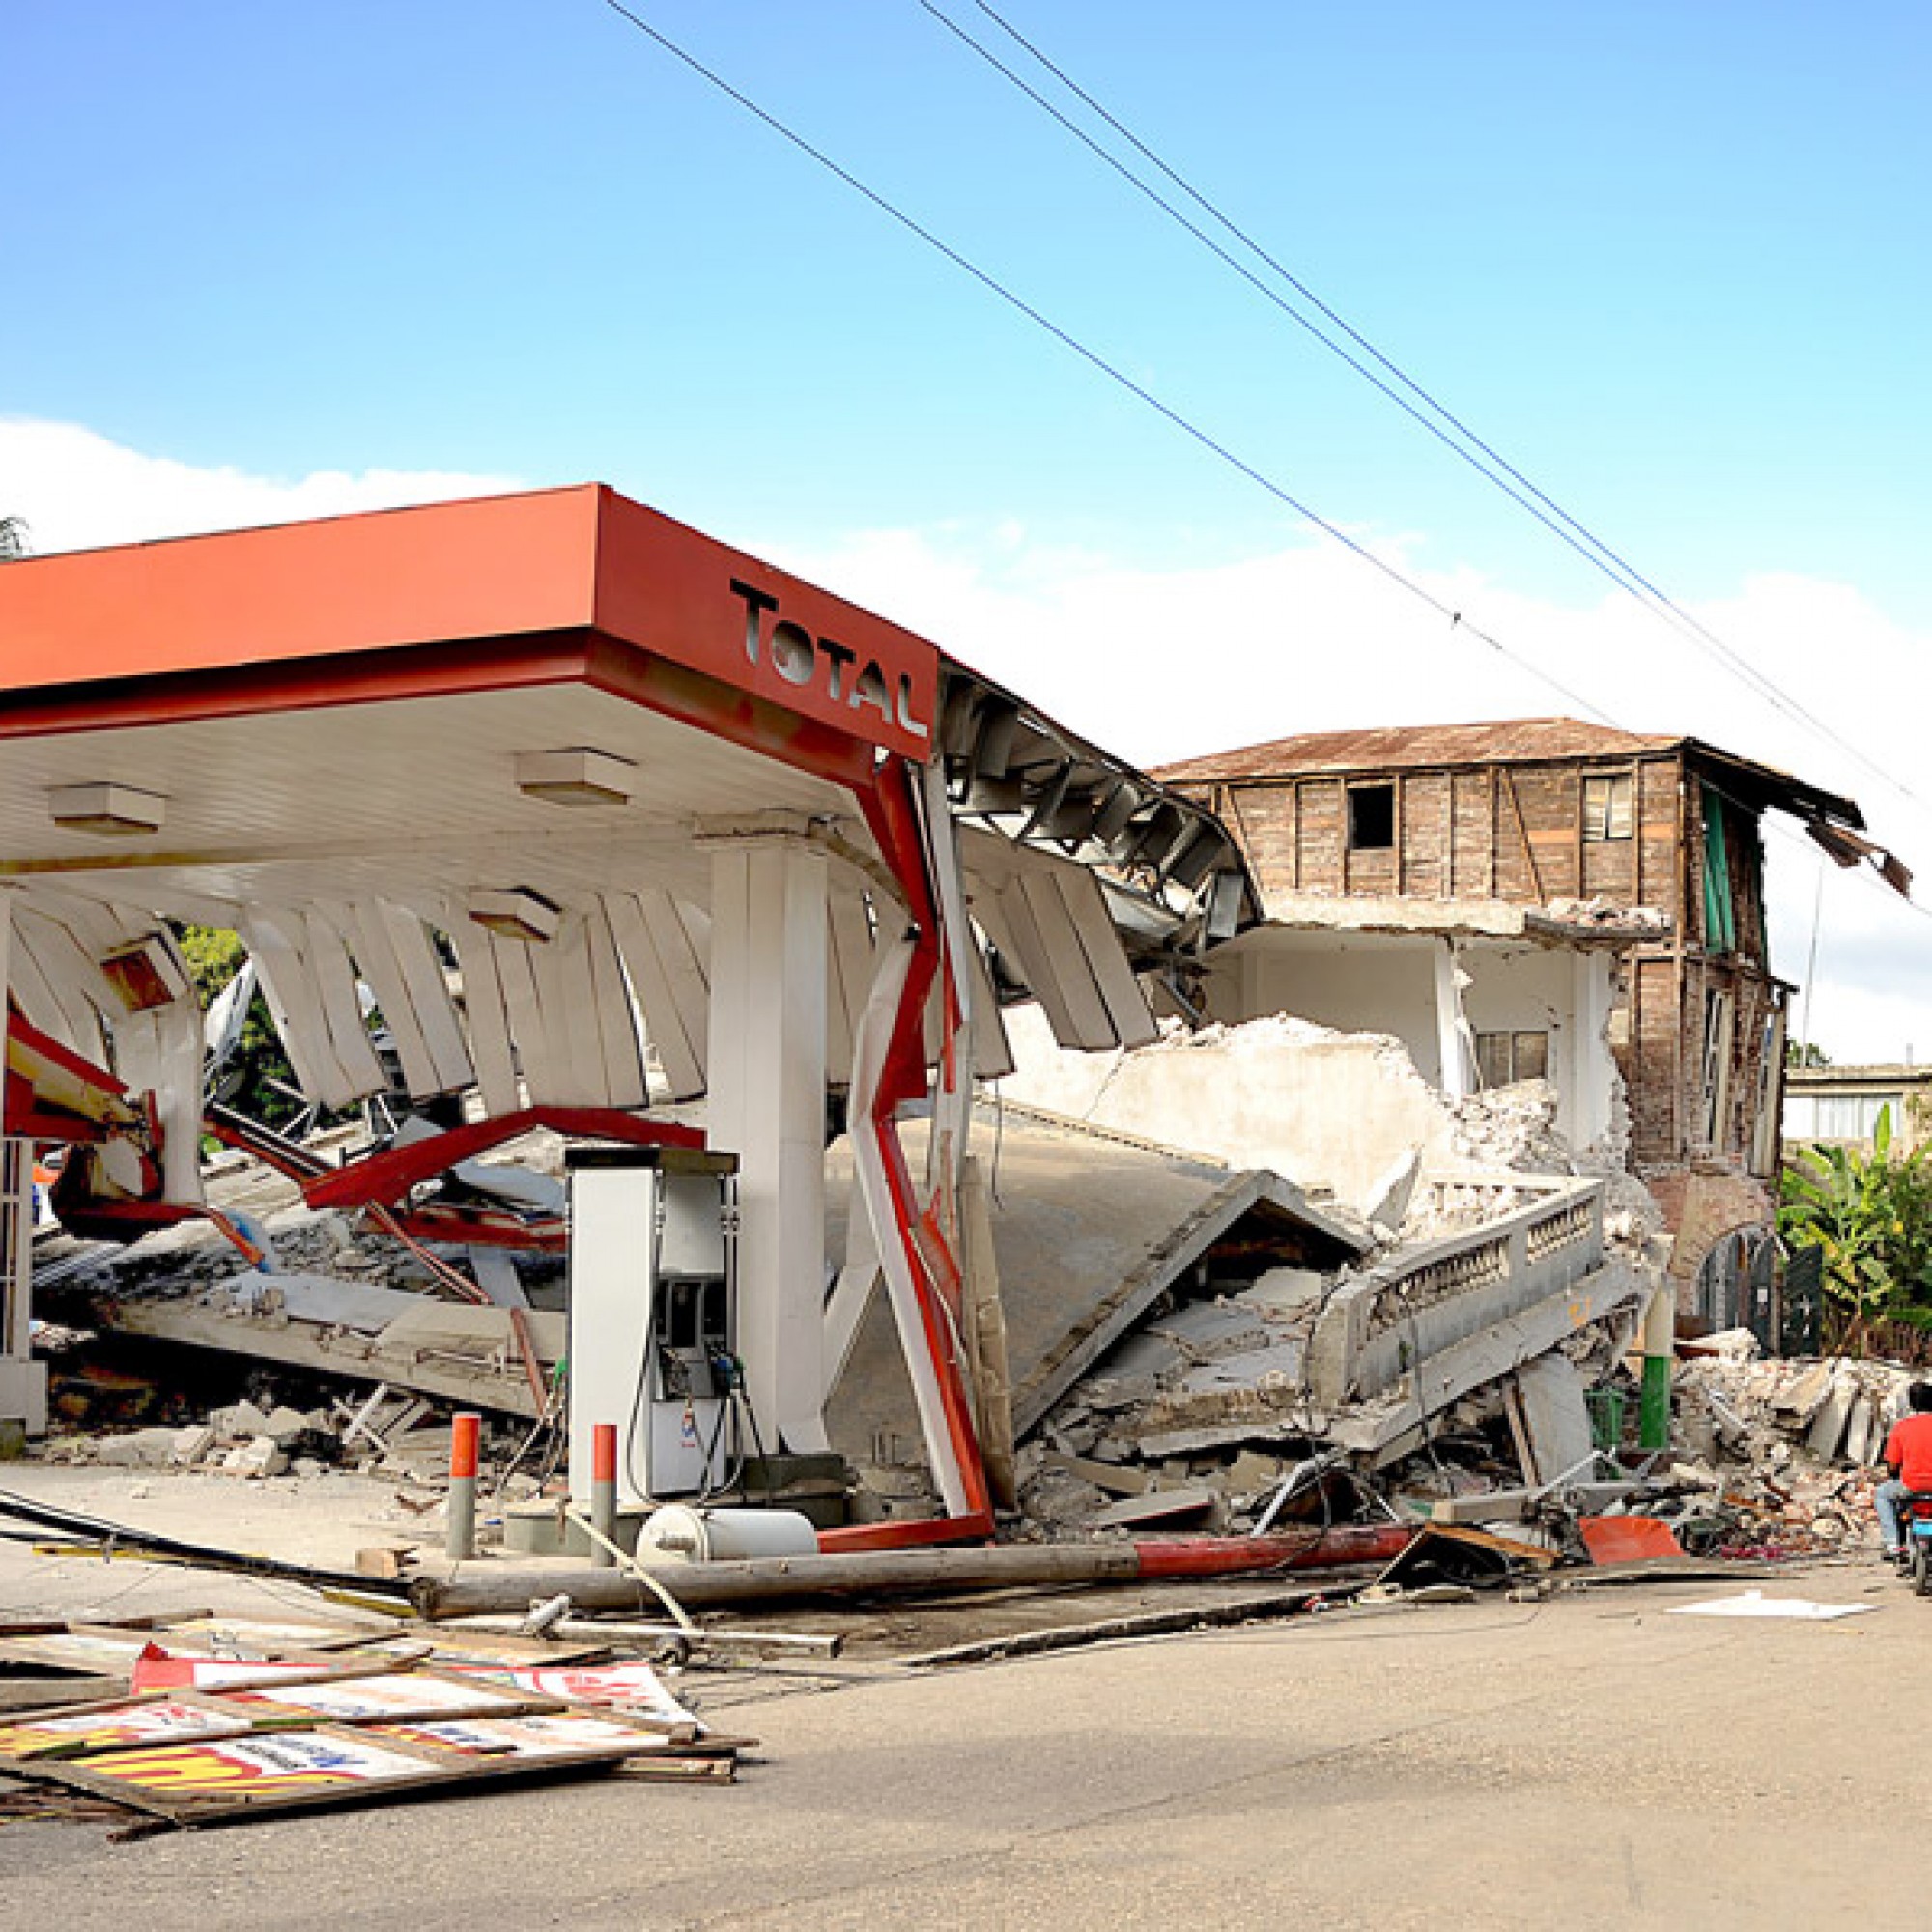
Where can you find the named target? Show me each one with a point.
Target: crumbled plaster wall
(1328, 1110)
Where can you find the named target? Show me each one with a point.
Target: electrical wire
(1464, 443)
(1466, 451)
(1095, 360)
(1218, 450)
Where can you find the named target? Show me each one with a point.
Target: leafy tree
(1871, 1217)
(262, 1089)
(1806, 1053)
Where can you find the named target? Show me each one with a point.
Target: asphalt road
(1588, 1761)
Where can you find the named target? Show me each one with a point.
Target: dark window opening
(1371, 818)
(1504, 1058)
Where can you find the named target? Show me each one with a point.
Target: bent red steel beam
(58, 1095)
(388, 1176)
(891, 815)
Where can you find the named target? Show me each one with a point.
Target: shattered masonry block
(138, 1449)
(263, 1456)
(241, 1422)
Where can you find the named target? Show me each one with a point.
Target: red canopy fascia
(577, 583)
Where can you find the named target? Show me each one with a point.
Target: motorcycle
(1915, 1559)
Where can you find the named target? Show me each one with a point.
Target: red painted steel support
(388, 1176)
(910, 1534)
(890, 815)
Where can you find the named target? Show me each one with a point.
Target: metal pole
(459, 1518)
(1659, 1352)
(604, 1492)
(1811, 968)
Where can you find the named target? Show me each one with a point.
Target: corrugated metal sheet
(1515, 740)
(1411, 746)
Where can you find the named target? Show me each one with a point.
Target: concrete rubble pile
(1786, 1451)
(1431, 1366)
(335, 1311)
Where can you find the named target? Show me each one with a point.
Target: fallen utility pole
(472, 1592)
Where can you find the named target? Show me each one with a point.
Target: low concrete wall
(1328, 1110)
(1387, 1321)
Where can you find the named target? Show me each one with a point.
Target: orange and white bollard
(604, 1490)
(460, 1517)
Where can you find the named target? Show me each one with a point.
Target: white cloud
(78, 490)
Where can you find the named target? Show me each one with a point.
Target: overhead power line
(1094, 359)
(1119, 376)
(1440, 422)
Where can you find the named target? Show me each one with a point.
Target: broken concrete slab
(1426, 1299)
(1550, 1418)
(263, 1456)
(137, 1449)
(1281, 1361)
(1285, 1290)
(1116, 1478)
(355, 1330)
(1385, 1430)
(1158, 1506)
(1090, 1227)
(1835, 1414)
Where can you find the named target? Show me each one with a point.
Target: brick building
(1543, 834)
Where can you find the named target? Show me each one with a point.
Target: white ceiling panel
(413, 800)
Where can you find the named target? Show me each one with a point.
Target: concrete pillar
(1452, 1027)
(1590, 1069)
(1660, 1355)
(766, 1104)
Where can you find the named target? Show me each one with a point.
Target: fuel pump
(653, 1319)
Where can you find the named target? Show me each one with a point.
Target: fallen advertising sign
(219, 1781)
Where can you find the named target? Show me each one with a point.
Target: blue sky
(1668, 259)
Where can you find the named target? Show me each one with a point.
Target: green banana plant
(1871, 1217)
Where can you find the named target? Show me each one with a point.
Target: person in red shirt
(1908, 1455)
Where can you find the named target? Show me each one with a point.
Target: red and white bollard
(460, 1517)
(604, 1490)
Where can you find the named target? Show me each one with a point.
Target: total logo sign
(871, 698)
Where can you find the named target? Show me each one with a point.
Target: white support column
(1589, 1086)
(23, 1381)
(766, 1105)
(1453, 1044)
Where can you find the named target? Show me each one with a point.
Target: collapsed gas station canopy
(598, 813)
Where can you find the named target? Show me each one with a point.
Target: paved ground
(1590, 1761)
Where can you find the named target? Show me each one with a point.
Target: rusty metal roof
(1514, 741)
(1409, 747)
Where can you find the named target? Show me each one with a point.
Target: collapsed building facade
(1539, 899)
